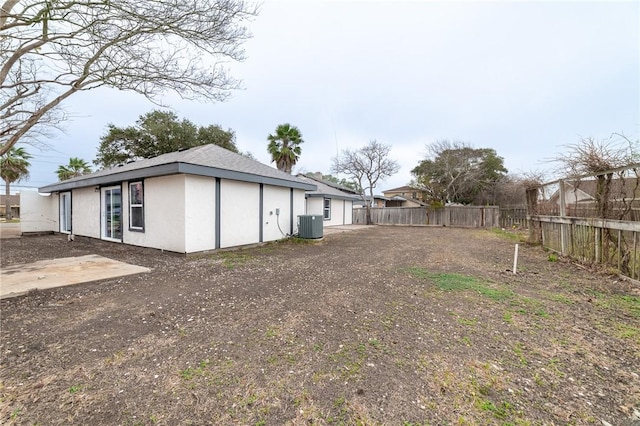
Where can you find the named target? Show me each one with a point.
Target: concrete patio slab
(20, 279)
(345, 228)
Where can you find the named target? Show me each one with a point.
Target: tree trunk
(369, 205)
(7, 202)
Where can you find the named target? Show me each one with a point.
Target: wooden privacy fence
(592, 218)
(592, 241)
(460, 216)
(513, 217)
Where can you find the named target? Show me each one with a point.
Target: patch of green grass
(629, 304)
(75, 389)
(234, 259)
(500, 411)
(375, 343)
(557, 297)
(625, 331)
(507, 317)
(552, 257)
(15, 413)
(298, 240)
(503, 233)
(190, 372)
(469, 322)
(272, 331)
(518, 349)
(541, 313)
(459, 282)
(416, 272)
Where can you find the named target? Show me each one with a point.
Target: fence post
(535, 227)
(563, 214)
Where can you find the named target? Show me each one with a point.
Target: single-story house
(405, 196)
(378, 201)
(580, 197)
(332, 201)
(203, 198)
(14, 202)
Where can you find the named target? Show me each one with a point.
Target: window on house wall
(136, 206)
(327, 208)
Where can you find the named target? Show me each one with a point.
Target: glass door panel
(65, 212)
(112, 213)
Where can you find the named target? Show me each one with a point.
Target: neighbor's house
(580, 197)
(378, 201)
(199, 199)
(334, 202)
(405, 196)
(14, 201)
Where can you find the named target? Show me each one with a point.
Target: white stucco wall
(299, 207)
(239, 213)
(200, 209)
(341, 210)
(337, 213)
(85, 212)
(314, 205)
(348, 212)
(275, 197)
(164, 214)
(38, 212)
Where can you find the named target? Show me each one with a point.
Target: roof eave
(170, 169)
(336, 196)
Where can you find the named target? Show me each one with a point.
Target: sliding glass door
(112, 213)
(65, 212)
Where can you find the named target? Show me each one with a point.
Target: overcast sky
(523, 78)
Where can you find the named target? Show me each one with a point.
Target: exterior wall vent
(310, 226)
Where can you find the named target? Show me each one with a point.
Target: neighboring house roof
(405, 188)
(368, 198)
(14, 200)
(323, 189)
(585, 190)
(408, 199)
(205, 160)
(377, 197)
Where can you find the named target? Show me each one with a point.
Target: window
(327, 209)
(136, 206)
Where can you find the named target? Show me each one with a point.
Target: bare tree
(591, 156)
(366, 166)
(614, 164)
(602, 159)
(50, 50)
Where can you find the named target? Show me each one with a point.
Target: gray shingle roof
(326, 190)
(206, 160)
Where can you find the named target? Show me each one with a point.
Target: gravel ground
(387, 325)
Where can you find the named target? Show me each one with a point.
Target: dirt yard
(384, 326)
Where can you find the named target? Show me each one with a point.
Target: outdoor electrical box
(310, 226)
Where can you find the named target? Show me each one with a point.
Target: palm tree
(284, 146)
(76, 167)
(14, 166)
